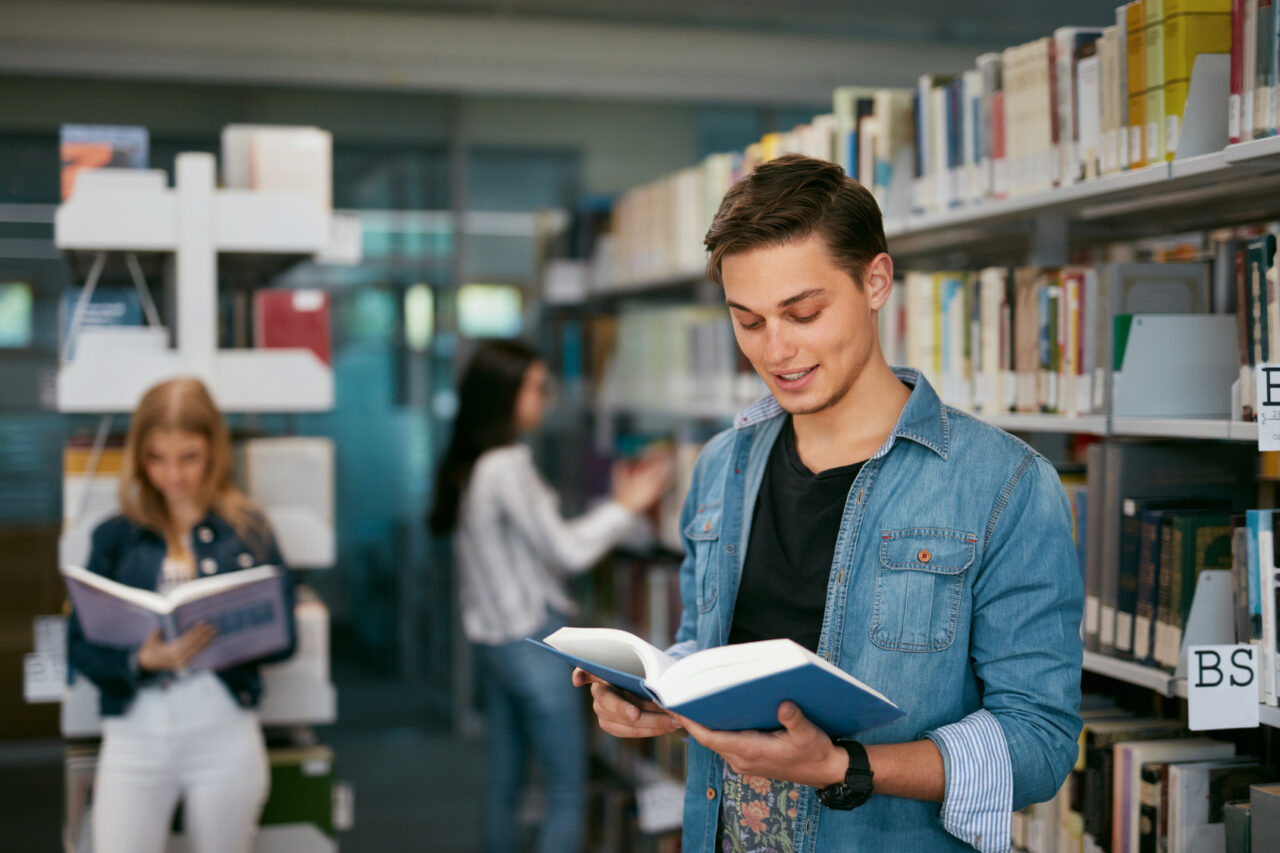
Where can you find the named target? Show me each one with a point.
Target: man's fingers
(581, 678)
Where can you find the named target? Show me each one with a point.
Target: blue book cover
(1255, 521)
(728, 688)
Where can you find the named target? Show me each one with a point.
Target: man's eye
(808, 319)
(751, 326)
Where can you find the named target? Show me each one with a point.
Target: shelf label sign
(1267, 377)
(1222, 687)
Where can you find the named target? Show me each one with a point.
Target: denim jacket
(977, 640)
(132, 554)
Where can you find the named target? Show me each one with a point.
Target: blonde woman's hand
(155, 655)
(639, 485)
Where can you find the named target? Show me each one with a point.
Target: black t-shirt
(793, 539)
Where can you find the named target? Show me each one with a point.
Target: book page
(107, 617)
(217, 584)
(712, 670)
(249, 618)
(140, 598)
(613, 648)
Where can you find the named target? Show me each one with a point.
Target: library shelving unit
(1201, 190)
(105, 370)
(195, 222)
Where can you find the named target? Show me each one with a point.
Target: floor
(415, 790)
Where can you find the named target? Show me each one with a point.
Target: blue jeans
(532, 704)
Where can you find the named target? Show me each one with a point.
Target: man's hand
(155, 655)
(623, 717)
(801, 752)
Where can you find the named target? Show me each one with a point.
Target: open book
(729, 688)
(246, 608)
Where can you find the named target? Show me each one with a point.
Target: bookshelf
(1205, 184)
(194, 224)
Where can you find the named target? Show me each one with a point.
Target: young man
(919, 549)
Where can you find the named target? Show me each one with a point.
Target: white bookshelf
(195, 222)
(1172, 427)
(1027, 422)
(1150, 677)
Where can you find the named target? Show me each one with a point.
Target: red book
(292, 319)
(998, 145)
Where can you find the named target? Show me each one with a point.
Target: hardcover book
(245, 607)
(729, 688)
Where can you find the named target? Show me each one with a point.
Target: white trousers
(189, 742)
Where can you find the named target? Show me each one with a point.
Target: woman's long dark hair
(486, 419)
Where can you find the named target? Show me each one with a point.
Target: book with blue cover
(728, 688)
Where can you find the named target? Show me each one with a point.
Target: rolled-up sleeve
(1026, 653)
(977, 804)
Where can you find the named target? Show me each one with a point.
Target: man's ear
(878, 280)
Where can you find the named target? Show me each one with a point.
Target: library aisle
(324, 212)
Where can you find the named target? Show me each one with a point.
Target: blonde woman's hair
(186, 405)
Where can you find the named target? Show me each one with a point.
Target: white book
(731, 688)
(1129, 756)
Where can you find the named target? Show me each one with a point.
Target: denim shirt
(954, 590)
(131, 554)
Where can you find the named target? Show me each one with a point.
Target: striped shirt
(514, 550)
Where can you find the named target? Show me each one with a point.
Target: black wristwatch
(856, 787)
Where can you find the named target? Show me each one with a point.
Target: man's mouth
(797, 375)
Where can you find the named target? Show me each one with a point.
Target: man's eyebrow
(790, 300)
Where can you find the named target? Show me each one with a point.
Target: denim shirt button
(711, 793)
(205, 535)
(208, 566)
(729, 549)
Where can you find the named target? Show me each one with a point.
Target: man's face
(805, 325)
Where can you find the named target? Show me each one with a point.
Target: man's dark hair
(790, 198)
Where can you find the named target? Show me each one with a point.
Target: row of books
(1144, 783)
(1084, 102)
(272, 318)
(1032, 339)
(679, 357)
(276, 158)
(1151, 518)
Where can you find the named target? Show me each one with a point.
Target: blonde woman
(168, 734)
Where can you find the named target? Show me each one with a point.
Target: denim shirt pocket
(704, 532)
(919, 586)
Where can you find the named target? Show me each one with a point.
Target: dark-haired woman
(513, 551)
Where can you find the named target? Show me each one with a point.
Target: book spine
(1149, 810)
(1237, 70)
(1137, 81)
(1153, 48)
(1166, 600)
(1127, 579)
(1148, 588)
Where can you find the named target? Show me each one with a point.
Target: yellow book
(1135, 37)
(770, 146)
(1153, 102)
(1191, 27)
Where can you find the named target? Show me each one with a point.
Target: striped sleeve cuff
(977, 806)
(684, 649)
